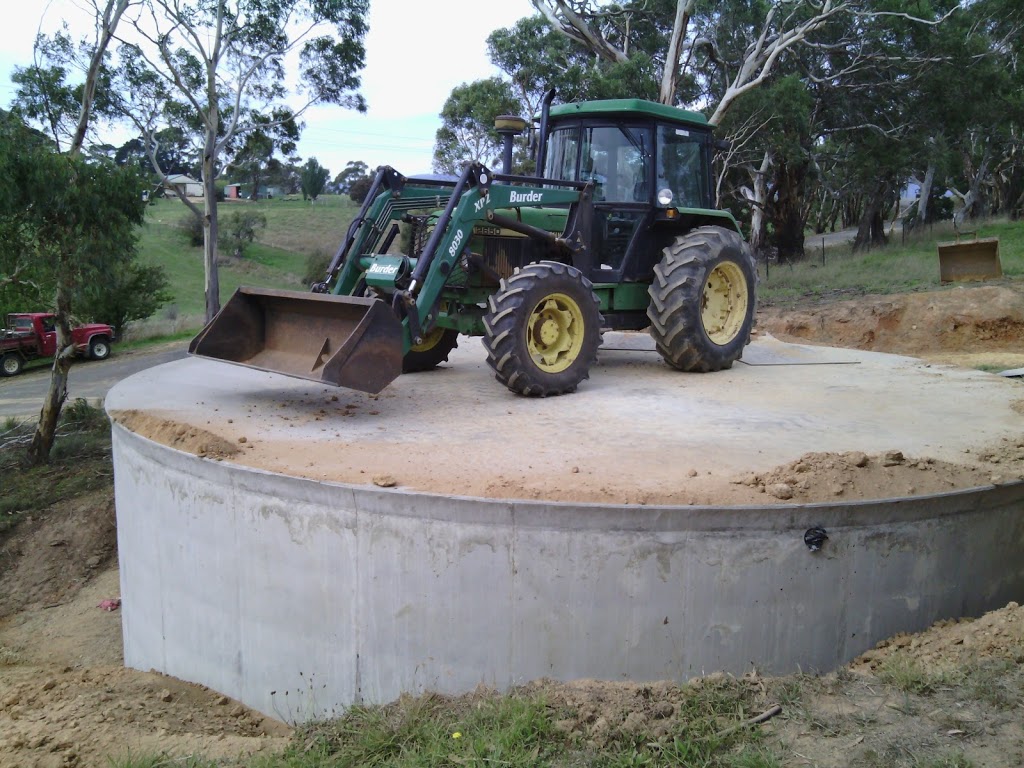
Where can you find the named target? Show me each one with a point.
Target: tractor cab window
(682, 167)
(563, 149)
(616, 159)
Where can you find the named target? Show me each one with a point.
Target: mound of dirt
(856, 475)
(960, 320)
(184, 437)
(951, 644)
(49, 556)
(67, 700)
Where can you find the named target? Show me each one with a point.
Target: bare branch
(108, 24)
(566, 20)
(670, 74)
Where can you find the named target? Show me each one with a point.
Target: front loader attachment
(966, 260)
(344, 341)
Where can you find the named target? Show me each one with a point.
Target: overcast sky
(416, 52)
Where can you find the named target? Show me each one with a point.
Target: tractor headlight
(665, 196)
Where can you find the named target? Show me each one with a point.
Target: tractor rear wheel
(432, 352)
(543, 329)
(702, 300)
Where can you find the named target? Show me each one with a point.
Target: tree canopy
(832, 108)
(314, 179)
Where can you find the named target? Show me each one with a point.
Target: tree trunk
(871, 229)
(670, 75)
(972, 199)
(926, 194)
(57, 392)
(786, 210)
(210, 228)
(758, 222)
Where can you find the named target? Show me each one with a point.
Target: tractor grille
(504, 254)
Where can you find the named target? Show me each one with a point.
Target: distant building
(180, 183)
(238, 191)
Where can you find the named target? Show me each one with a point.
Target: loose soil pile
(66, 699)
(965, 325)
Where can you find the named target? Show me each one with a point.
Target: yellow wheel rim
(554, 333)
(429, 341)
(723, 306)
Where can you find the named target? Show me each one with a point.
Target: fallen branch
(764, 717)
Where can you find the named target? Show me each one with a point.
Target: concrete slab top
(635, 432)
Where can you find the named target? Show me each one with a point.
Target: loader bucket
(340, 340)
(976, 259)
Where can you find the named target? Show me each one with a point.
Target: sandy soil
(968, 325)
(65, 699)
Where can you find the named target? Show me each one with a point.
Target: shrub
(192, 226)
(239, 229)
(360, 189)
(316, 268)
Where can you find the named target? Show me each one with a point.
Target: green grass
(295, 231)
(904, 673)
(523, 729)
(896, 268)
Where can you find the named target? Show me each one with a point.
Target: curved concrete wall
(300, 598)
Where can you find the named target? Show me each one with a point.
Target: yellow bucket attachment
(344, 341)
(976, 259)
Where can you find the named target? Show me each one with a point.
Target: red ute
(31, 335)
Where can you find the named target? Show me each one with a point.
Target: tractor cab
(649, 164)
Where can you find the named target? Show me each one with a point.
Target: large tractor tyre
(99, 348)
(543, 329)
(702, 300)
(432, 352)
(11, 364)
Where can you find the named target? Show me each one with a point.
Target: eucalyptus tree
(689, 34)
(257, 157)
(208, 67)
(353, 171)
(467, 130)
(982, 81)
(70, 214)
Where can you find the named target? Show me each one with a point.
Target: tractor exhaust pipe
(508, 127)
(542, 140)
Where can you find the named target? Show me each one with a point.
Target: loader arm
(356, 340)
(473, 198)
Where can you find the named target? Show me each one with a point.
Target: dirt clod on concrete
(184, 437)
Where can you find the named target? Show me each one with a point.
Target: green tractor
(616, 231)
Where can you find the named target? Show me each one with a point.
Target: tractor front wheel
(543, 329)
(702, 300)
(432, 352)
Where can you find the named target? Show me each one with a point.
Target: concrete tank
(301, 596)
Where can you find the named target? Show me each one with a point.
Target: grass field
(897, 268)
(297, 230)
